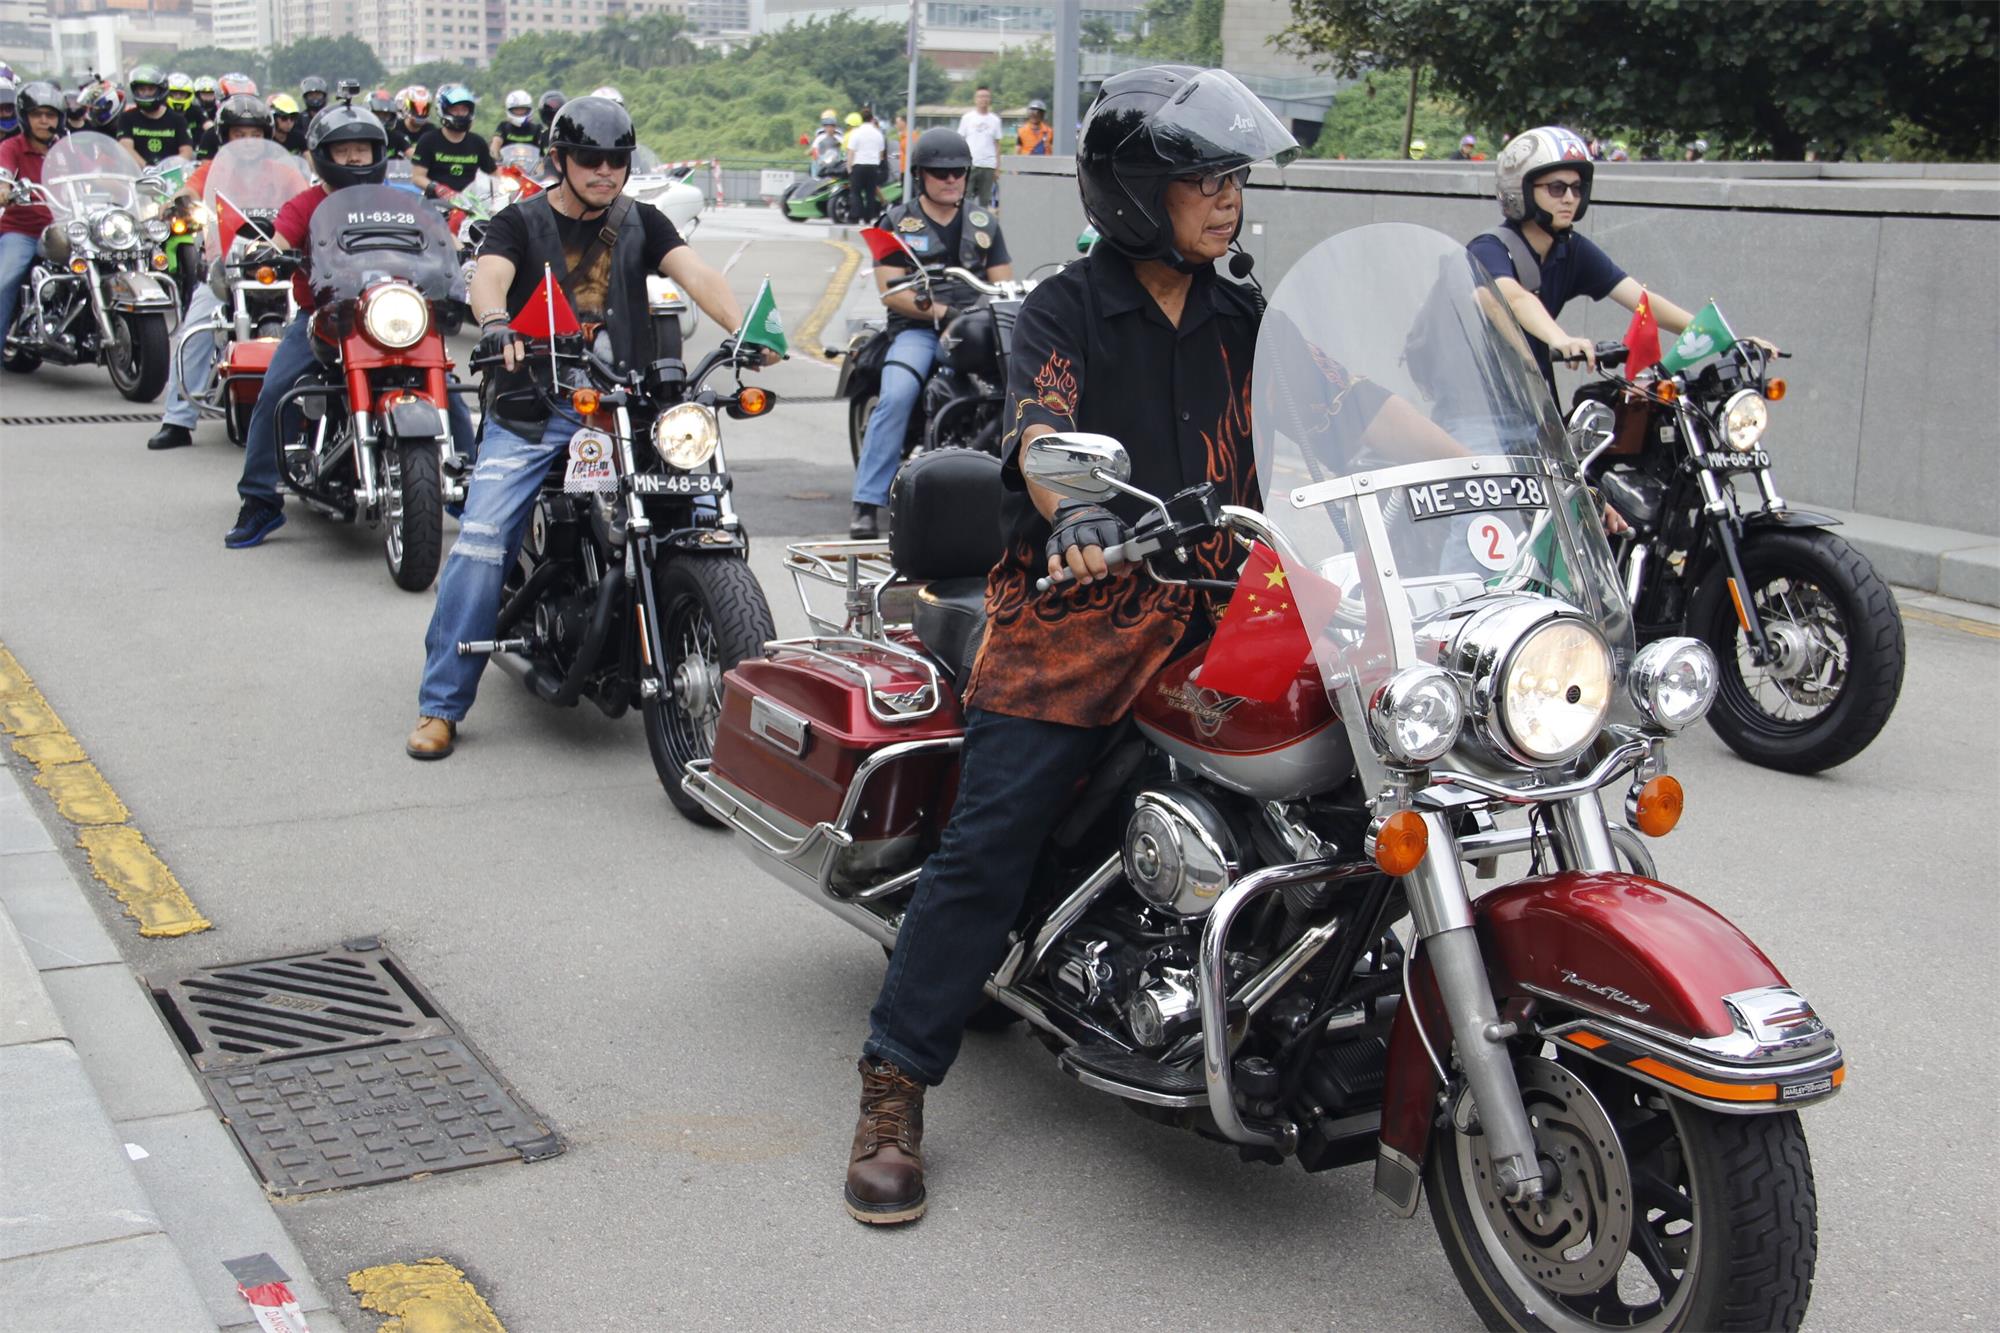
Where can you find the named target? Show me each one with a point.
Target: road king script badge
(1208, 708)
(590, 466)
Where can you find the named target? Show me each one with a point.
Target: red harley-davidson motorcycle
(376, 447)
(1257, 921)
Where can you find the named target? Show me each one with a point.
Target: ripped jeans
(499, 501)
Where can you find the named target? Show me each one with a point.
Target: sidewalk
(121, 1194)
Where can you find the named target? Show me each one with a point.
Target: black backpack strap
(1527, 267)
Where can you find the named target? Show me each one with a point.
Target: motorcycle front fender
(128, 291)
(1789, 518)
(413, 419)
(1625, 971)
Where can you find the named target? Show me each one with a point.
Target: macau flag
(763, 327)
(1705, 337)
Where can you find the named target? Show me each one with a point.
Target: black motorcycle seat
(949, 616)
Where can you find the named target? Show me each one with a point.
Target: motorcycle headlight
(1416, 714)
(115, 229)
(686, 436)
(198, 214)
(1673, 682)
(1555, 690)
(156, 230)
(1743, 420)
(395, 316)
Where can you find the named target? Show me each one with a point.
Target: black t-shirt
(207, 144)
(507, 237)
(507, 132)
(295, 142)
(155, 137)
(452, 164)
(1574, 266)
(939, 243)
(399, 140)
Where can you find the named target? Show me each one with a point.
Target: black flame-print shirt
(1092, 351)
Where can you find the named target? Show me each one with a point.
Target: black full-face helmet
(239, 112)
(552, 102)
(312, 90)
(1151, 126)
(345, 124)
(592, 125)
(941, 149)
(34, 96)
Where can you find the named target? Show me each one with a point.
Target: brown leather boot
(433, 738)
(885, 1173)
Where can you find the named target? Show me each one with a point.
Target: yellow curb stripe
(829, 301)
(430, 1296)
(120, 856)
(1945, 621)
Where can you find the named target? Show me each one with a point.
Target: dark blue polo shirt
(1574, 266)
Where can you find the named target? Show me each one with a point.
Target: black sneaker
(171, 437)
(257, 520)
(862, 527)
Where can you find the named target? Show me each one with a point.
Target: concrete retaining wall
(1885, 282)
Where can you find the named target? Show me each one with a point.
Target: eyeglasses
(591, 159)
(1562, 189)
(944, 173)
(1210, 186)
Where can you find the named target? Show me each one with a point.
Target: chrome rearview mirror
(1592, 427)
(1078, 465)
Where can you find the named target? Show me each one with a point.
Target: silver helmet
(1531, 155)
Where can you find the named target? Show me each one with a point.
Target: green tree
(861, 59)
(1366, 121)
(1019, 73)
(332, 58)
(216, 61)
(1182, 31)
(1776, 76)
(433, 74)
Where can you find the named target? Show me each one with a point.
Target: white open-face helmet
(1528, 157)
(518, 100)
(607, 91)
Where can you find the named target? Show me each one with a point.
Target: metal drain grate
(87, 419)
(334, 1068)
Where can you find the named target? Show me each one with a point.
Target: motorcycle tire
(413, 514)
(138, 360)
(712, 615)
(1670, 1216)
(1823, 596)
(841, 209)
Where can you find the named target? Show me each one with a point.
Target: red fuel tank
(1276, 751)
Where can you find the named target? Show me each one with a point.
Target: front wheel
(1666, 1216)
(1837, 651)
(712, 615)
(137, 357)
(841, 208)
(413, 514)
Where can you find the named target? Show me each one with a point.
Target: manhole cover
(334, 1069)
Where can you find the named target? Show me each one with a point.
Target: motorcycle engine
(1134, 970)
(1180, 851)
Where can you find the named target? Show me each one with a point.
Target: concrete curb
(98, 1235)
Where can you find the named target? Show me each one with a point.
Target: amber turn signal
(584, 401)
(79, 266)
(159, 260)
(1656, 807)
(180, 226)
(1774, 390)
(267, 275)
(753, 402)
(1398, 843)
(1667, 391)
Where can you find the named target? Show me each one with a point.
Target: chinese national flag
(1642, 337)
(548, 313)
(881, 242)
(228, 221)
(1261, 643)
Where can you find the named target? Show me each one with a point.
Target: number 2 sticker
(1492, 543)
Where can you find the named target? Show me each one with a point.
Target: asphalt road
(691, 1028)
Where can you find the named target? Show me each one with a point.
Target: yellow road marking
(1943, 621)
(430, 1296)
(120, 857)
(829, 301)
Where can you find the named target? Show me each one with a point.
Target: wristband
(492, 317)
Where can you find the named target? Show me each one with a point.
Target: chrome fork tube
(1583, 834)
(1442, 912)
(364, 461)
(1635, 572)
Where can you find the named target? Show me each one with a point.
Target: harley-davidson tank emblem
(1208, 708)
(1611, 993)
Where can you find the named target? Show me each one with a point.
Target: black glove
(493, 342)
(1079, 524)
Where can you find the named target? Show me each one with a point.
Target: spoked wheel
(412, 514)
(1837, 652)
(1666, 1216)
(137, 356)
(842, 208)
(712, 616)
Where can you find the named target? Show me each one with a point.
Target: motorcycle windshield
(88, 170)
(249, 179)
(522, 157)
(367, 234)
(1411, 458)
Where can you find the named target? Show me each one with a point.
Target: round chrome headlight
(395, 316)
(1416, 714)
(1674, 681)
(115, 229)
(1555, 690)
(1743, 420)
(686, 436)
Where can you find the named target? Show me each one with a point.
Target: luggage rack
(862, 570)
(843, 653)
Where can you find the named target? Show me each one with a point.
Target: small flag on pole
(1642, 338)
(547, 313)
(1261, 641)
(1709, 334)
(763, 326)
(229, 220)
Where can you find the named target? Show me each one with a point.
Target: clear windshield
(374, 233)
(86, 171)
(250, 179)
(1410, 454)
(522, 157)
(644, 161)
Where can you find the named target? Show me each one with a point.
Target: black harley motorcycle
(1807, 633)
(633, 584)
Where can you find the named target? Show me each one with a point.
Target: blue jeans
(499, 501)
(197, 358)
(17, 256)
(915, 352)
(290, 361)
(1016, 779)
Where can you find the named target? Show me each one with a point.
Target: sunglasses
(1562, 189)
(944, 173)
(591, 159)
(1210, 186)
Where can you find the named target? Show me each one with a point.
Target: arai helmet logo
(1611, 993)
(1242, 124)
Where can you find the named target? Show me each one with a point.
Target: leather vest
(975, 236)
(626, 315)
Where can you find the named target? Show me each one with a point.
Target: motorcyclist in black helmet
(939, 231)
(558, 231)
(347, 147)
(1141, 340)
(550, 103)
(313, 93)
